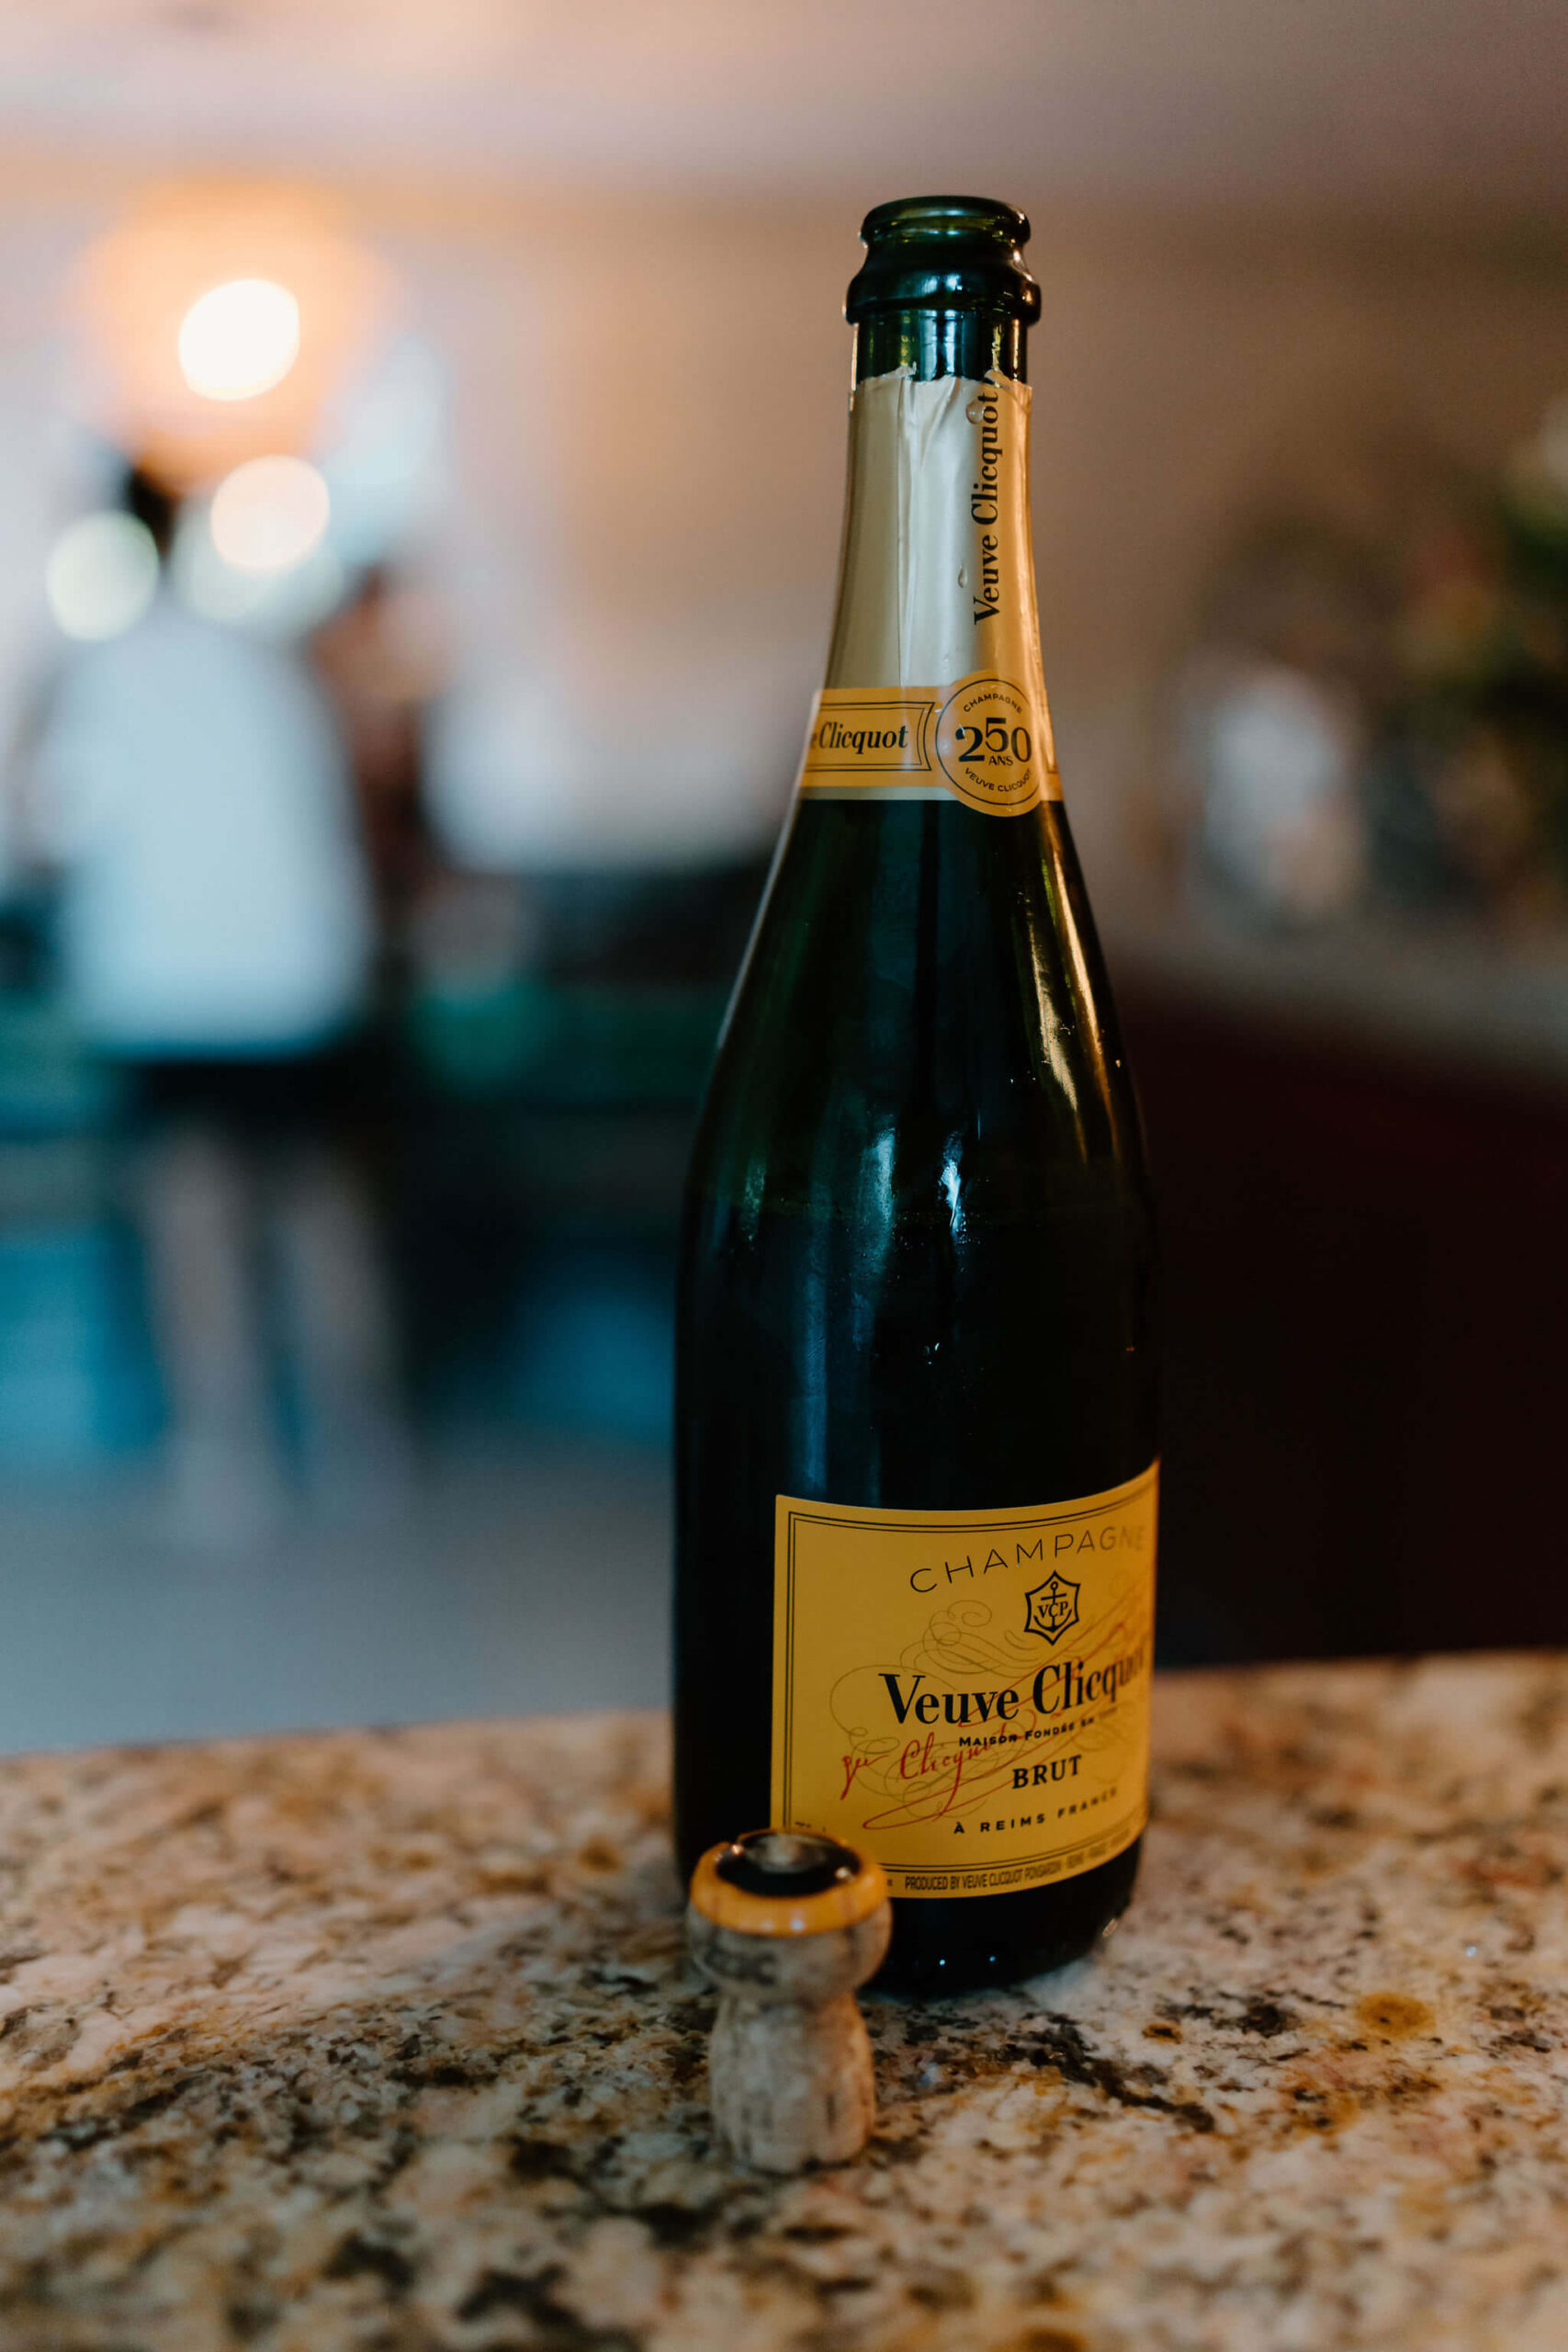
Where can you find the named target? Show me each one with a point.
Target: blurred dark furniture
(1366, 1278)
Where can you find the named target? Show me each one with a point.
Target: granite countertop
(383, 2040)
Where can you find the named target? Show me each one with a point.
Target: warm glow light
(101, 576)
(269, 513)
(240, 339)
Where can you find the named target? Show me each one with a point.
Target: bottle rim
(981, 216)
(944, 252)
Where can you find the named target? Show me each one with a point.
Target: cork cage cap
(786, 1883)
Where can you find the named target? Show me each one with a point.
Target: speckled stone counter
(384, 2042)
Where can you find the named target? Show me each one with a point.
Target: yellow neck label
(980, 742)
(965, 1695)
(934, 688)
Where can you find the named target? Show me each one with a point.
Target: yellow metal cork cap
(786, 1883)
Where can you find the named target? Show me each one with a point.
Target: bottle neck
(936, 575)
(940, 343)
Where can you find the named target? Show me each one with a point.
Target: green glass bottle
(916, 1448)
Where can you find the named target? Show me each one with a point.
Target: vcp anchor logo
(1052, 1608)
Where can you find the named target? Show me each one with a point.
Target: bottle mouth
(944, 252)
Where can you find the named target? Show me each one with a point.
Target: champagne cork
(786, 1924)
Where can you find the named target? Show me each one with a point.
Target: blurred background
(421, 463)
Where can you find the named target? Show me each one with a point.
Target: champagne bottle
(916, 1451)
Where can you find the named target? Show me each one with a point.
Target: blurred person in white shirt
(216, 939)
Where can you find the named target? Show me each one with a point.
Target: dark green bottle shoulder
(928, 991)
(910, 883)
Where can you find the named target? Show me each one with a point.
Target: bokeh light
(239, 339)
(269, 513)
(278, 605)
(101, 576)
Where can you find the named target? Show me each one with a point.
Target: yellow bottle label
(965, 1695)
